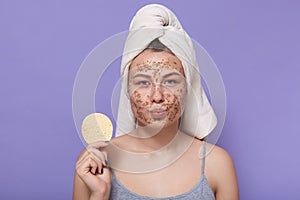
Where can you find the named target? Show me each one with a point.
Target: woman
(166, 116)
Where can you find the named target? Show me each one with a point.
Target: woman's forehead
(155, 60)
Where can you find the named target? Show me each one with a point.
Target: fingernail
(106, 162)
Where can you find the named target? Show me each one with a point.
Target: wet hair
(158, 46)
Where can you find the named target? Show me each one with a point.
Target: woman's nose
(157, 94)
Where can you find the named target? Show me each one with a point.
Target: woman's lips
(158, 113)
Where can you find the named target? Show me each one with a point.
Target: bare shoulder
(221, 173)
(218, 156)
(122, 141)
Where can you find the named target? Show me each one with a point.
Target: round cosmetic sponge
(96, 127)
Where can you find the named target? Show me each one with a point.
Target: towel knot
(154, 16)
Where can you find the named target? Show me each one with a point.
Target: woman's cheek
(175, 99)
(139, 105)
(173, 107)
(181, 94)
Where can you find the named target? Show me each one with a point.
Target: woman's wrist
(98, 196)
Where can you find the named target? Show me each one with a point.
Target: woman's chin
(157, 123)
(160, 123)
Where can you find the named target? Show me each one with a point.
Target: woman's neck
(149, 138)
(130, 153)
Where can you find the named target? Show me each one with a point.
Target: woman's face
(157, 88)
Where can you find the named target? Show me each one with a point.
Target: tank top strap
(203, 157)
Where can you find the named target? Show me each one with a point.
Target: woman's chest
(178, 178)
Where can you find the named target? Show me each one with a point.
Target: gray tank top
(201, 191)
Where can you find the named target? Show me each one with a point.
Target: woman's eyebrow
(141, 75)
(172, 74)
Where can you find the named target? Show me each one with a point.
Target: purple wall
(255, 44)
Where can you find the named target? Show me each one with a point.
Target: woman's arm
(80, 190)
(92, 178)
(222, 172)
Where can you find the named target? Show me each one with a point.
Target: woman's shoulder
(213, 152)
(217, 153)
(125, 142)
(219, 166)
(120, 141)
(218, 159)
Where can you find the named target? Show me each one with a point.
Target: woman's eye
(143, 83)
(170, 82)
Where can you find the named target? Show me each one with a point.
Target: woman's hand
(93, 170)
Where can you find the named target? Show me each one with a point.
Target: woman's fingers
(106, 175)
(96, 149)
(89, 164)
(101, 155)
(93, 166)
(93, 160)
(98, 144)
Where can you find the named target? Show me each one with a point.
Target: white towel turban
(158, 22)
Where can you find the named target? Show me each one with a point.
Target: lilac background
(254, 43)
